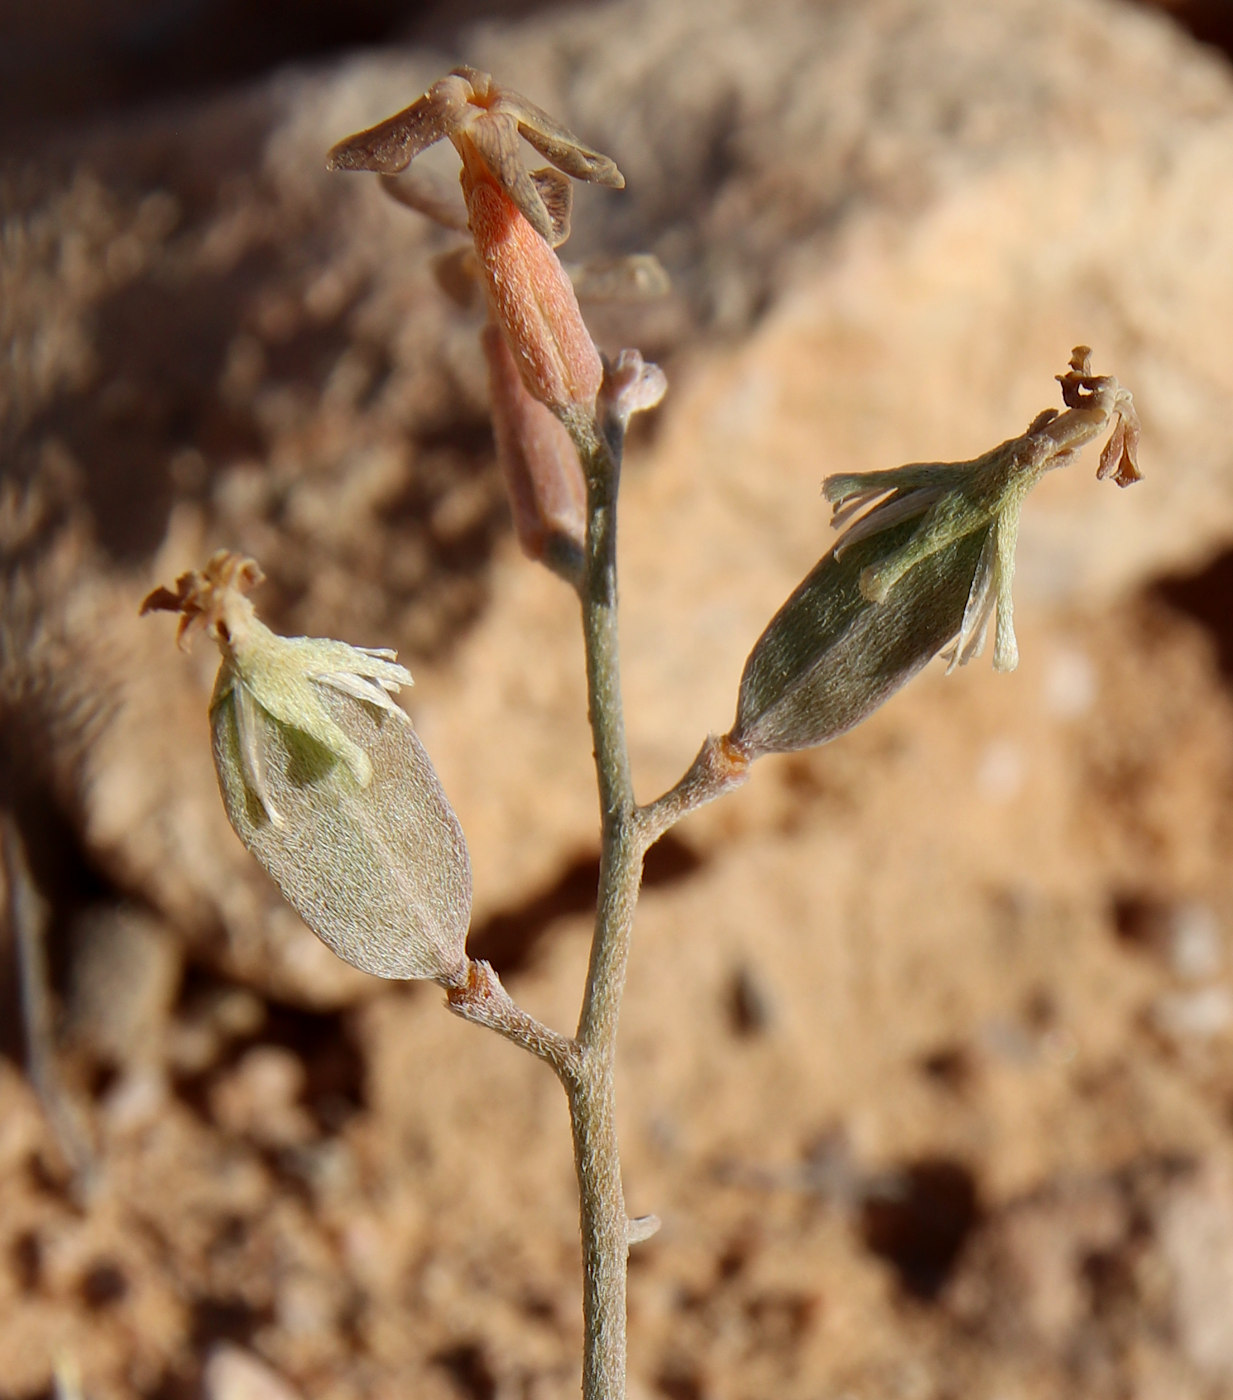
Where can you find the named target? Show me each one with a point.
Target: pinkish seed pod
(532, 298)
(538, 459)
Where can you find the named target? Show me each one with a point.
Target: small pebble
(234, 1374)
(1197, 1015)
(1195, 944)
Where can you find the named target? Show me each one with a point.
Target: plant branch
(28, 918)
(601, 460)
(719, 767)
(482, 1000)
(585, 1064)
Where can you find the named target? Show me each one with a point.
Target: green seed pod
(327, 784)
(924, 567)
(379, 871)
(829, 657)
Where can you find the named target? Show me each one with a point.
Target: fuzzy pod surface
(830, 656)
(378, 870)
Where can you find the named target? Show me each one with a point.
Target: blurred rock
(260, 1098)
(1201, 1014)
(1195, 1225)
(124, 973)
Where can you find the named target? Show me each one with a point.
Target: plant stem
(719, 767)
(585, 1064)
(28, 918)
(627, 832)
(592, 1100)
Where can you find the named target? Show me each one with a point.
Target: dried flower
(921, 569)
(469, 108)
(327, 784)
(516, 217)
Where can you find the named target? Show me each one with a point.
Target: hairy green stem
(627, 831)
(592, 1100)
(585, 1064)
(481, 999)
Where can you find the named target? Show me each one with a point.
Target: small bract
(326, 782)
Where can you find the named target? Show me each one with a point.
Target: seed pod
(829, 657)
(379, 872)
(926, 565)
(327, 784)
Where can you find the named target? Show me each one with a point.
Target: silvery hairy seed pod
(327, 784)
(922, 569)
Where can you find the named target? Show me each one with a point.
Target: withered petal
(457, 274)
(559, 145)
(482, 86)
(558, 197)
(1119, 458)
(634, 277)
(163, 600)
(200, 594)
(431, 197)
(391, 145)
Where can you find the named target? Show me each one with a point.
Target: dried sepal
(532, 299)
(469, 107)
(326, 783)
(631, 385)
(394, 143)
(925, 567)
